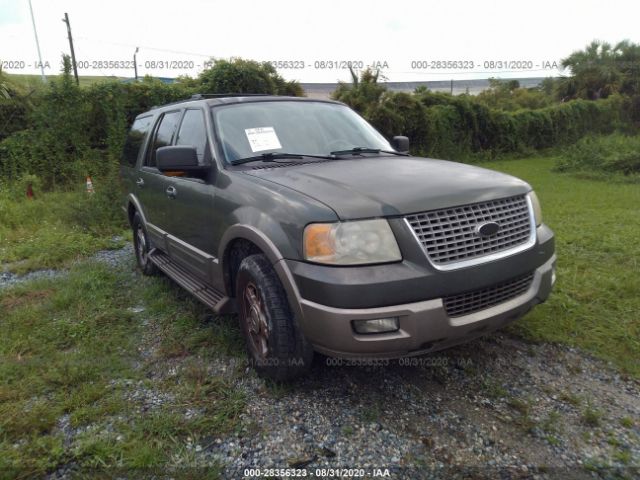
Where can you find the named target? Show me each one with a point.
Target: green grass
(591, 417)
(626, 422)
(69, 349)
(493, 389)
(348, 430)
(595, 304)
(570, 398)
(54, 229)
(551, 424)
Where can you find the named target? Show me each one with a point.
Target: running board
(212, 298)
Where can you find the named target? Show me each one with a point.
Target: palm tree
(594, 71)
(628, 62)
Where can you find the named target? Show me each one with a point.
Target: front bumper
(424, 326)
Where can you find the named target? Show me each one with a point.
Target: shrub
(462, 127)
(363, 94)
(14, 112)
(245, 76)
(57, 139)
(400, 114)
(615, 153)
(15, 105)
(15, 153)
(73, 132)
(507, 95)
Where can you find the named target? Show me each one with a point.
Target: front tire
(277, 348)
(142, 246)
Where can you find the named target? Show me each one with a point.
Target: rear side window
(164, 135)
(192, 132)
(135, 140)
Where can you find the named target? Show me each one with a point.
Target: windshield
(304, 128)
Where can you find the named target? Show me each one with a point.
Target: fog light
(378, 325)
(553, 275)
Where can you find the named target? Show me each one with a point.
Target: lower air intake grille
(470, 302)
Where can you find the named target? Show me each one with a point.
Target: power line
(120, 44)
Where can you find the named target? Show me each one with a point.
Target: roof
(231, 98)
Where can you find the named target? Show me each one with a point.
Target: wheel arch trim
(133, 201)
(266, 246)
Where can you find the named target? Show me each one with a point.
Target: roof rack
(200, 96)
(203, 96)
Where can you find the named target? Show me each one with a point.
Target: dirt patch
(30, 297)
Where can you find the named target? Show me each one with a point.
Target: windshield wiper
(357, 150)
(272, 157)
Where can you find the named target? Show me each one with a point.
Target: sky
(314, 41)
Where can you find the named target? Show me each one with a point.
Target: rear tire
(277, 348)
(142, 246)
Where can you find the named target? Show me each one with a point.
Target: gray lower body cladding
(424, 326)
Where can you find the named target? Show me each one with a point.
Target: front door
(151, 184)
(190, 203)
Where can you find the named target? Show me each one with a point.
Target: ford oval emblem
(488, 229)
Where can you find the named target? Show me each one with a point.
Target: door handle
(140, 182)
(171, 192)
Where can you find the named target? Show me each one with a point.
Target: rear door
(190, 214)
(151, 184)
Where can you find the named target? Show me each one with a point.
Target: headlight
(351, 243)
(537, 211)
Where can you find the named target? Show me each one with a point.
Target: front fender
(133, 201)
(253, 235)
(271, 251)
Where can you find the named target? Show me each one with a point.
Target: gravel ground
(498, 407)
(8, 279)
(113, 258)
(116, 258)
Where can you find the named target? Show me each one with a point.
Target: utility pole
(73, 53)
(135, 63)
(35, 32)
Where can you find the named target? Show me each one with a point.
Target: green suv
(322, 235)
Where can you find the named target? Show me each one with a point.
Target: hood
(389, 186)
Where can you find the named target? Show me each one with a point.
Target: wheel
(276, 346)
(142, 247)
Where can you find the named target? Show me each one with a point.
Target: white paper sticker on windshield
(262, 138)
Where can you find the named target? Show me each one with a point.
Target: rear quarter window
(135, 141)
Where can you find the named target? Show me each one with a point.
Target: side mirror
(400, 144)
(179, 158)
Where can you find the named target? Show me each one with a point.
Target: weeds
(69, 362)
(55, 228)
(591, 417)
(604, 155)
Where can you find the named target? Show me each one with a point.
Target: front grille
(450, 235)
(469, 302)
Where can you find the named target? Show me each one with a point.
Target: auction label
(262, 138)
